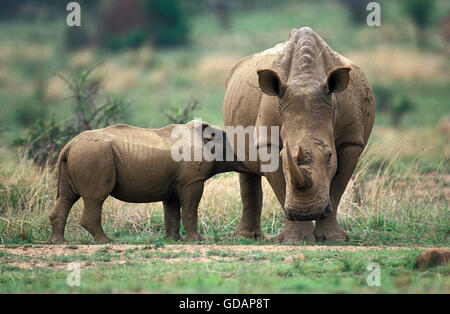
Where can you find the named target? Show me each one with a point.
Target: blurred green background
(161, 55)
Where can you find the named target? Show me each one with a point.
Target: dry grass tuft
(383, 204)
(214, 68)
(390, 64)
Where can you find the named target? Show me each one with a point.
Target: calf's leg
(190, 198)
(92, 220)
(172, 218)
(65, 200)
(91, 167)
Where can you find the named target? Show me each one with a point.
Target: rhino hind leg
(92, 171)
(66, 198)
(172, 218)
(92, 220)
(252, 198)
(328, 228)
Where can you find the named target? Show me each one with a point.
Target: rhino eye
(329, 156)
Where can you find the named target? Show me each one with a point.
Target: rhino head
(306, 103)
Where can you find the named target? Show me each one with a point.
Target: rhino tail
(61, 167)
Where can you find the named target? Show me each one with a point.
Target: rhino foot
(102, 240)
(255, 234)
(330, 233)
(295, 231)
(56, 239)
(175, 237)
(293, 238)
(193, 238)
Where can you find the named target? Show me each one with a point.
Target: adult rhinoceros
(325, 109)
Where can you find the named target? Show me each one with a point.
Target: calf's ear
(206, 131)
(270, 83)
(337, 80)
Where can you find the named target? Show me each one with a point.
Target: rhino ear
(270, 83)
(206, 131)
(337, 80)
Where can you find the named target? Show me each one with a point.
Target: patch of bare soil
(50, 249)
(30, 257)
(45, 251)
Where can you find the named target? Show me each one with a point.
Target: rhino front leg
(328, 228)
(252, 197)
(293, 231)
(172, 218)
(190, 198)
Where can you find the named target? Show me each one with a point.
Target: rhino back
(144, 167)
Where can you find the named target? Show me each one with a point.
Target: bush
(182, 115)
(166, 23)
(47, 137)
(390, 102)
(131, 23)
(357, 10)
(420, 12)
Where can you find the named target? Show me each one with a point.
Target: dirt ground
(50, 250)
(34, 256)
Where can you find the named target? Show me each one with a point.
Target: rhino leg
(58, 217)
(190, 198)
(293, 231)
(66, 198)
(92, 172)
(92, 220)
(172, 218)
(252, 197)
(328, 228)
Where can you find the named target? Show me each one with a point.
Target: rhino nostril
(327, 211)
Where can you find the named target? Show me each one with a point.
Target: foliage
(182, 115)
(388, 101)
(47, 137)
(38, 8)
(357, 10)
(166, 23)
(131, 23)
(420, 12)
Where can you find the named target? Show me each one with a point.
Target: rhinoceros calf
(325, 109)
(134, 165)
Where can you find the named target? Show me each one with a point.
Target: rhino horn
(299, 177)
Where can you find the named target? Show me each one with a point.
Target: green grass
(241, 272)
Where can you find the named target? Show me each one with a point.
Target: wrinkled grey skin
(325, 109)
(133, 165)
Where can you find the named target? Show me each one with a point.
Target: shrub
(396, 106)
(357, 10)
(181, 115)
(131, 23)
(420, 12)
(47, 137)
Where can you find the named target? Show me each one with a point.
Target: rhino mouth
(293, 215)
